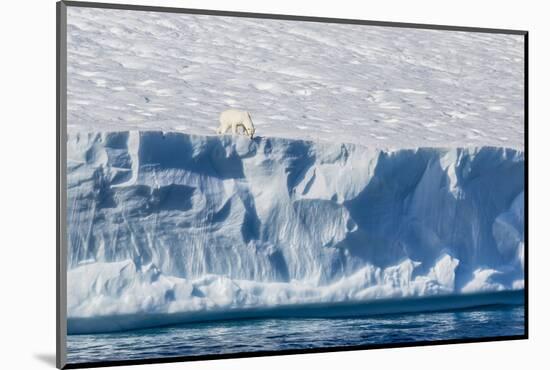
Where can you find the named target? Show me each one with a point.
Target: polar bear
(234, 118)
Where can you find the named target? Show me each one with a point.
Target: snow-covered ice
(377, 86)
(389, 164)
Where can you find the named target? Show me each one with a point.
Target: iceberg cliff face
(168, 222)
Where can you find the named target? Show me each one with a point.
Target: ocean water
(234, 336)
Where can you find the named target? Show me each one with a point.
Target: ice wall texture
(375, 86)
(169, 222)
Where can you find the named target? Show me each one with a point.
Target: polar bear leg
(223, 128)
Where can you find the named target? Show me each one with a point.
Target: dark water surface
(282, 334)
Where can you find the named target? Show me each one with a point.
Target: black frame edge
(226, 13)
(61, 240)
(526, 180)
(61, 120)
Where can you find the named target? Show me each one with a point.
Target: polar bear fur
(233, 118)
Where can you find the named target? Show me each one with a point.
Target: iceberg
(167, 227)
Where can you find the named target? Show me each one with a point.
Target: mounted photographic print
(238, 184)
